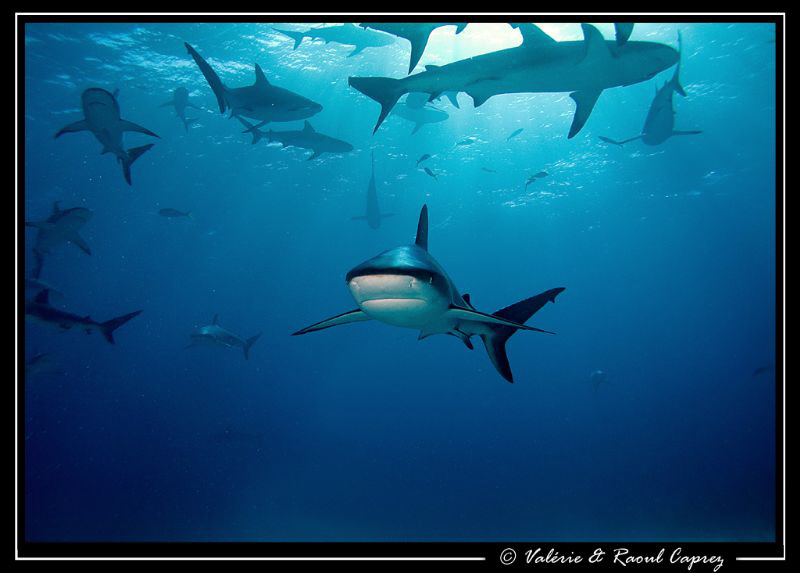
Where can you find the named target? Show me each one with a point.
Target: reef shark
(306, 138)
(660, 121)
(374, 215)
(180, 101)
(101, 116)
(39, 309)
(405, 286)
(420, 115)
(349, 34)
(417, 33)
(61, 227)
(214, 335)
(261, 101)
(540, 64)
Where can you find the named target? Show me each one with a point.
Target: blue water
(361, 432)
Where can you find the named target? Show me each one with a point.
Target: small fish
(431, 173)
(515, 133)
(531, 179)
(541, 174)
(467, 141)
(423, 158)
(609, 140)
(171, 213)
(488, 170)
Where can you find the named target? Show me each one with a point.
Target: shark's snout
(402, 300)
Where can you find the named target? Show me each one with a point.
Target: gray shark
(660, 121)
(306, 138)
(101, 116)
(39, 309)
(374, 215)
(61, 227)
(622, 31)
(349, 34)
(214, 335)
(407, 287)
(180, 101)
(417, 33)
(420, 115)
(540, 64)
(261, 101)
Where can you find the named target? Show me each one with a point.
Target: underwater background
(361, 432)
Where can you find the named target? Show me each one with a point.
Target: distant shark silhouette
(660, 121)
(60, 227)
(407, 287)
(420, 115)
(101, 116)
(374, 215)
(349, 34)
(416, 33)
(306, 138)
(214, 335)
(39, 309)
(584, 68)
(180, 101)
(261, 101)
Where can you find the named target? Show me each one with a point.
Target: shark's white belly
(399, 300)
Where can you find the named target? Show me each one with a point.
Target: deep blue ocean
(361, 432)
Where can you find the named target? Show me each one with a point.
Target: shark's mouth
(402, 300)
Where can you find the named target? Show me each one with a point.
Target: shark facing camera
(406, 287)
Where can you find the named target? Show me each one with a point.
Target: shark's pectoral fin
(453, 97)
(80, 125)
(314, 155)
(357, 50)
(478, 95)
(417, 127)
(584, 101)
(78, 241)
(211, 77)
(126, 125)
(356, 315)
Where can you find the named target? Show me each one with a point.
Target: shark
(214, 335)
(406, 287)
(417, 33)
(540, 64)
(420, 116)
(349, 34)
(659, 125)
(306, 138)
(515, 133)
(374, 215)
(622, 31)
(40, 310)
(261, 101)
(180, 101)
(61, 227)
(101, 116)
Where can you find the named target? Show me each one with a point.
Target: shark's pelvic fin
(211, 77)
(422, 228)
(356, 315)
(584, 101)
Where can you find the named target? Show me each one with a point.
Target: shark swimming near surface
(420, 116)
(540, 64)
(261, 101)
(406, 287)
(180, 101)
(306, 138)
(659, 125)
(101, 116)
(40, 310)
(349, 35)
(374, 215)
(417, 33)
(214, 335)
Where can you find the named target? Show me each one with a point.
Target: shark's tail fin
(385, 91)
(519, 312)
(189, 121)
(248, 344)
(296, 36)
(108, 327)
(211, 77)
(615, 142)
(133, 155)
(676, 80)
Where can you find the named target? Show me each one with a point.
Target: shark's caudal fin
(417, 48)
(296, 36)
(385, 91)
(211, 77)
(623, 31)
(519, 312)
(422, 228)
(108, 327)
(133, 155)
(248, 343)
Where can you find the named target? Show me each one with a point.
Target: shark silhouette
(180, 101)
(306, 138)
(416, 33)
(349, 34)
(374, 215)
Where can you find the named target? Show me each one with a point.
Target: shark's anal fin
(356, 315)
(422, 229)
(584, 101)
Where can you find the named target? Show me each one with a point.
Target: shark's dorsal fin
(596, 47)
(307, 127)
(261, 79)
(43, 297)
(533, 35)
(422, 229)
(214, 321)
